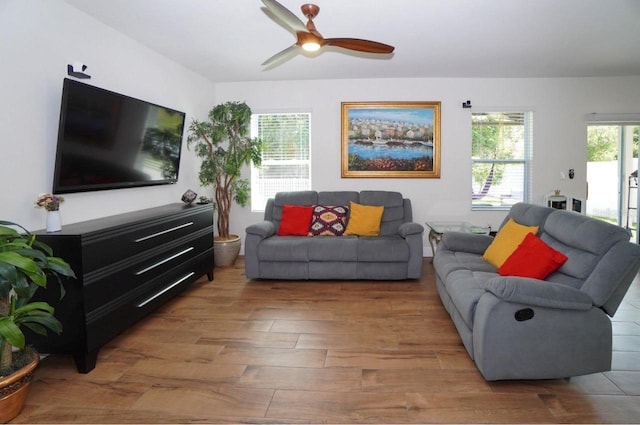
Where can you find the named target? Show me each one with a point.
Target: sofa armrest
(466, 242)
(407, 229)
(538, 293)
(264, 229)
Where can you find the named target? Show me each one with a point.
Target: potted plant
(25, 265)
(224, 146)
(51, 203)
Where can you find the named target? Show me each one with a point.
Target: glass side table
(438, 228)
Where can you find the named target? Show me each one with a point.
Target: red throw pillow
(295, 220)
(533, 258)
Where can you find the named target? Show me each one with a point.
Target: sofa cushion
(295, 220)
(364, 220)
(529, 215)
(383, 249)
(328, 220)
(338, 197)
(506, 241)
(303, 197)
(532, 258)
(446, 261)
(584, 233)
(325, 248)
(284, 248)
(465, 287)
(583, 239)
(394, 208)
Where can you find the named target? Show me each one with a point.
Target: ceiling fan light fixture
(311, 46)
(309, 39)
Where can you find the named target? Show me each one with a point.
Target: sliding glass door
(612, 174)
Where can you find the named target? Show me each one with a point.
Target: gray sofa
(393, 255)
(523, 328)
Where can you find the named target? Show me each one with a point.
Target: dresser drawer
(108, 321)
(106, 248)
(108, 283)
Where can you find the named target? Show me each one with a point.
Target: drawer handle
(164, 260)
(144, 238)
(174, 284)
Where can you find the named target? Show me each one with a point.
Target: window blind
(501, 155)
(286, 164)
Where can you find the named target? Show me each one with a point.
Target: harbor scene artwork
(391, 139)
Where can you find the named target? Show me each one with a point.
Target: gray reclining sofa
(524, 328)
(393, 255)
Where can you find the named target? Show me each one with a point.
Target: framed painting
(391, 139)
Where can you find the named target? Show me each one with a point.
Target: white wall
(38, 38)
(559, 132)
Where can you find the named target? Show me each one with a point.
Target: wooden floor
(234, 350)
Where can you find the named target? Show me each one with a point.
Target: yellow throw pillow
(364, 220)
(506, 241)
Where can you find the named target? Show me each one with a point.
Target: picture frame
(390, 139)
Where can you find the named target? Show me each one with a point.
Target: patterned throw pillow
(328, 220)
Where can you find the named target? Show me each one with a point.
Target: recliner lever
(524, 314)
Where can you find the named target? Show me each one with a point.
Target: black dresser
(127, 265)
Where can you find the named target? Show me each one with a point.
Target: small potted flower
(51, 203)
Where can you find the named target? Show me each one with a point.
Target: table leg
(434, 239)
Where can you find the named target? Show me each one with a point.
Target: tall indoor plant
(25, 265)
(225, 147)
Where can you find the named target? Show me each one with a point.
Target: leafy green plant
(224, 146)
(25, 266)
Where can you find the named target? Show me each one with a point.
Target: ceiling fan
(309, 39)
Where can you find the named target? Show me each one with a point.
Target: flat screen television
(108, 140)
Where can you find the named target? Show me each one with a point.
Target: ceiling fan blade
(285, 15)
(359, 45)
(281, 56)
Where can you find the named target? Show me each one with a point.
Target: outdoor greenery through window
(501, 152)
(286, 162)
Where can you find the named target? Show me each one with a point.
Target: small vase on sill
(53, 221)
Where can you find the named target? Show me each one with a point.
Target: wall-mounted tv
(108, 140)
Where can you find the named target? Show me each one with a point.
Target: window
(286, 163)
(500, 155)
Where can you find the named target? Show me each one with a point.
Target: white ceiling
(227, 40)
